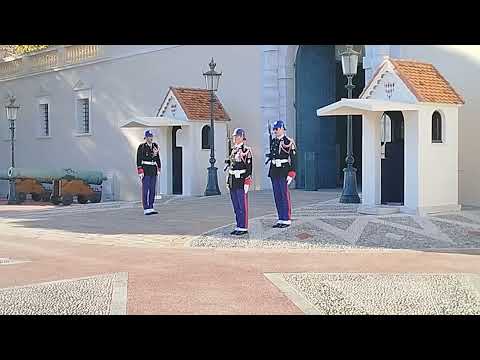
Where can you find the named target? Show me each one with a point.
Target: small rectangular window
(44, 120)
(83, 108)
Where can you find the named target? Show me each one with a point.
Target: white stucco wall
(134, 85)
(196, 174)
(371, 162)
(438, 161)
(413, 172)
(460, 64)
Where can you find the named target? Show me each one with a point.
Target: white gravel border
(292, 294)
(309, 309)
(118, 302)
(118, 305)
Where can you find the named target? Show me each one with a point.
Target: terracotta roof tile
(424, 81)
(196, 103)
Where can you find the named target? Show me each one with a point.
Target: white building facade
(88, 91)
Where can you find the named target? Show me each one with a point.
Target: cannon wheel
(67, 199)
(18, 199)
(55, 200)
(82, 199)
(21, 197)
(96, 197)
(46, 196)
(37, 197)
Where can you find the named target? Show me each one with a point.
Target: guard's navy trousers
(240, 206)
(148, 191)
(282, 199)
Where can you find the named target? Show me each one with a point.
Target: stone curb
(119, 294)
(292, 294)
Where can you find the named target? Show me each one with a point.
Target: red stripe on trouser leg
(289, 203)
(143, 197)
(246, 210)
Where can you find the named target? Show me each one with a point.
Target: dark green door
(315, 87)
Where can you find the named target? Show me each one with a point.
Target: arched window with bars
(436, 127)
(206, 137)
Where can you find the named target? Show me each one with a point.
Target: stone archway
(278, 86)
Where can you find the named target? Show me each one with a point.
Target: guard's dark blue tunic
(283, 152)
(148, 165)
(240, 174)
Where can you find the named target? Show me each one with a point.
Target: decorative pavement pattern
(329, 225)
(95, 295)
(381, 294)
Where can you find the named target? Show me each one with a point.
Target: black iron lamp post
(349, 68)
(211, 79)
(12, 111)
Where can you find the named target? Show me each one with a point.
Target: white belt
(279, 162)
(237, 173)
(149, 163)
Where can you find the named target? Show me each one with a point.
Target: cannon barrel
(41, 175)
(4, 175)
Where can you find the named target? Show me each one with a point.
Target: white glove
(246, 187)
(289, 180)
(140, 176)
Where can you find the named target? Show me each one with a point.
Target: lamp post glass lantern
(12, 111)
(349, 68)
(212, 79)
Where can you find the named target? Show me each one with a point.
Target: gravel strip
(387, 294)
(88, 296)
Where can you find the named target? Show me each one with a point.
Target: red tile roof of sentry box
(196, 104)
(424, 81)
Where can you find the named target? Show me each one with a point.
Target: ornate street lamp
(349, 68)
(211, 80)
(12, 111)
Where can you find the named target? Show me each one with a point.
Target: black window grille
(85, 116)
(436, 127)
(206, 137)
(45, 125)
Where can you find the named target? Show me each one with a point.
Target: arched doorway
(392, 158)
(321, 141)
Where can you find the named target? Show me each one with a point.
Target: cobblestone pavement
(183, 261)
(123, 224)
(329, 225)
(96, 295)
(382, 294)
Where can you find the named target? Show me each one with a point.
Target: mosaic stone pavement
(95, 295)
(381, 294)
(330, 225)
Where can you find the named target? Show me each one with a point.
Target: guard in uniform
(282, 172)
(148, 168)
(239, 180)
